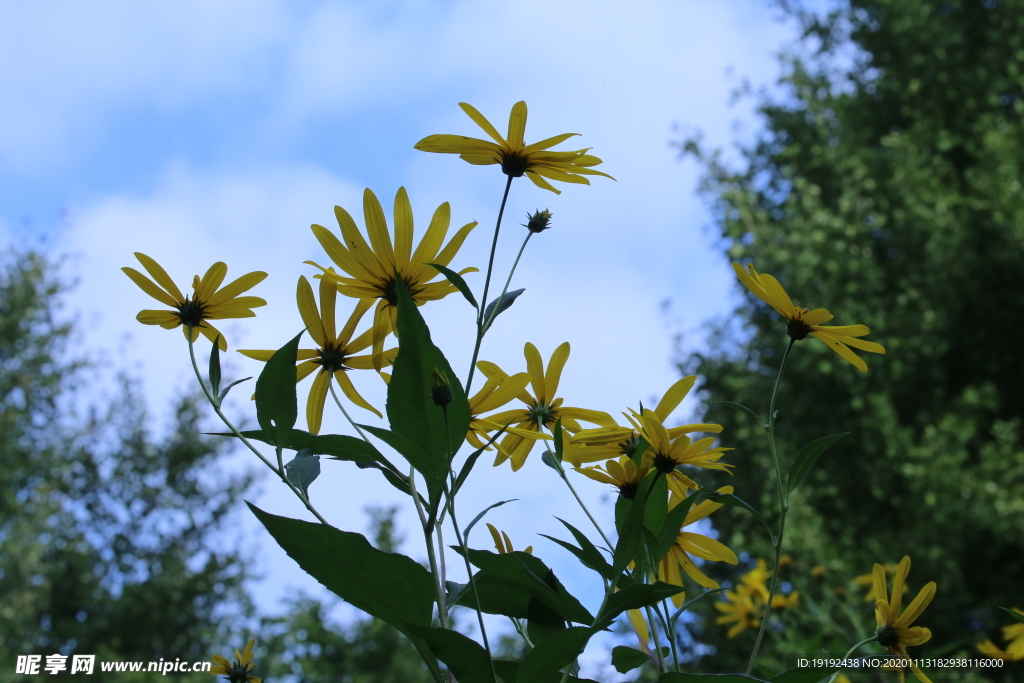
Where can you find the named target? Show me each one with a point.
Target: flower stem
(428, 537)
(852, 650)
(565, 478)
(783, 504)
(487, 283)
(278, 470)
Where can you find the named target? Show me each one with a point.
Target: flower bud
(440, 388)
(538, 221)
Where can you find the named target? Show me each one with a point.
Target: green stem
(387, 463)
(508, 281)
(852, 650)
(783, 504)
(662, 666)
(670, 628)
(428, 536)
(278, 470)
(487, 283)
(565, 478)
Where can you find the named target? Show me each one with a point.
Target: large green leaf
(276, 402)
(464, 656)
(433, 469)
(806, 457)
(543, 662)
(497, 595)
(636, 596)
(531, 574)
(391, 587)
(411, 411)
(625, 659)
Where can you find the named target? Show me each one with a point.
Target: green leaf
(595, 559)
(806, 457)
(544, 662)
(625, 659)
(542, 622)
(465, 534)
(411, 411)
(585, 558)
(734, 501)
(503, 303)
(471, 461)
(674, 522)
(803, 675)
(634, 597)
(433, 469)
(741, 408)
(215, 367)
(1016, 615)
(656, 508)
(464, 656)
(302, 470)
(276, 402)
(224, 392)
(530, 573)
(337, 446)
(459, 283)
(391, 587)
(674, 677)
(506, 670)
(497, 596)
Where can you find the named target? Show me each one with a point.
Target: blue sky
(196, 132)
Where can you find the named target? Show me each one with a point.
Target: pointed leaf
(590, 555)
(302, 470)
(543, 662)
(276, 402)
(224, 392)
(625, 659)
(741, 408)
(459, 283)
(806, 457)
(434, 470)
(337, 446)
(1016, 615)
(215, 367)
(502, 304)
(469, 527)
(634, 597)
(467, 659)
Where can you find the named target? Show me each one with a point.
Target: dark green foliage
(887, 188)
(105, 534)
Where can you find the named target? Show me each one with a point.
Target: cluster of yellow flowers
(370, 270)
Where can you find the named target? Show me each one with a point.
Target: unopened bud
(538, 221)
(440, 388)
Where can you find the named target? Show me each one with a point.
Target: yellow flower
(739, 609)
(335, 353)
(623, 474)
(239, 671)
(784, 601)
(894, 630)
(818, 571)
(987, 647)
(1014, 634)
(756, 580)
(666, 454)
(206, 302)
(802, 322)
(698, 545)
(376, 267)
(593, 445)
(496, 392)
(869, 581)
(502, 543)
(514, 155)
(542, 409)
(639, 624)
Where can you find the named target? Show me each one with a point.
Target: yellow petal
(403, 229)
(307, 310)
(517, 126)
(674, 396)
(159, 275)
(147, 286)
(555, 365)
(211, 281)
(242, 284)
(315, 402)
(479, 120)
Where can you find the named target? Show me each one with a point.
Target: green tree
(108, 539)
(886, 187)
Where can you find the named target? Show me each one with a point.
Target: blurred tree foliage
(886, 187)
(108, 540)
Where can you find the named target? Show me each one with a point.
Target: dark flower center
(888, 637)
(514, 165)
(192, 312)
(332, 358)
(629, 446)
(389, 290)
(239, 673)
(796, 328)
(628, 489)
(664, 463)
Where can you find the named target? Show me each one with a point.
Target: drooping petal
(315, 402)
(308, 312)
(350, 391)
